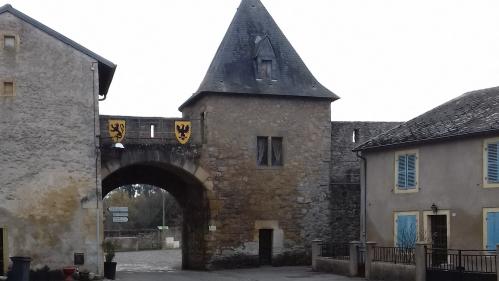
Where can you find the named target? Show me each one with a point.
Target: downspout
(97, 152)
(363, 226)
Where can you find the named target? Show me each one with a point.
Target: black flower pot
(20, 268)
(110, 270)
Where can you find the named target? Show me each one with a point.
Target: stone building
(49, 91)
(264, 173)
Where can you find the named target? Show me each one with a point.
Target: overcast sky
(387, 60)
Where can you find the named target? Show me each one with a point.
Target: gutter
(363, 195)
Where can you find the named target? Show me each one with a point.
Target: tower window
(269, 151)
(8, 89)
(9, 42)
(265, 70)
(355, 136)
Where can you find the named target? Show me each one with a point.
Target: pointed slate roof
(469, 115)
(233, 67)
(106, 68)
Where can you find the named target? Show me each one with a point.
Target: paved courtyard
(166, 264)
(297, 273)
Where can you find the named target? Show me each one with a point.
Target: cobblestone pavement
(149, 261)
(298, 273)
(165, 265)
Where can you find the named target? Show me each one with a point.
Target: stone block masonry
(345, 175)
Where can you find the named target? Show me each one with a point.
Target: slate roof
(106, 68)
(233, 67)
(471, 114)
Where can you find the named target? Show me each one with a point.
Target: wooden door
(265, 246)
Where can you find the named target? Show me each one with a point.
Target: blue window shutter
(492, 230)
(411, 171)
(401, 172)
(406, 231)
(492, 163)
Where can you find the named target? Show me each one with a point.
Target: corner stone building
(262, 121)
(49, 91)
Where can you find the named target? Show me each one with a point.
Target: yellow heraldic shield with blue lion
(117, 130)
(183, 131)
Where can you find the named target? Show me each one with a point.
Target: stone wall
(293, 200)
(345, 176)
(49, 185)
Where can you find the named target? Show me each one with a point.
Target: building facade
(265, 171)
(434, 178)
(50, 86)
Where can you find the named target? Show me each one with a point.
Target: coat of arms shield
(117, 130)
(183, 131)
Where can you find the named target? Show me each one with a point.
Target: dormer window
(265, 70)
(265, 60)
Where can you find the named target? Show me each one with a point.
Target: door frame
(427, 224)
(484, 220)
(5, 244)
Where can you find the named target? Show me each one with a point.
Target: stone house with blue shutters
(435, 178)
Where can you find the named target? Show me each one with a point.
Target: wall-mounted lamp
(118, 145)
(434, 208)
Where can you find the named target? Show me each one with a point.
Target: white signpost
(120, 214)
(118, 209)
(120, 219)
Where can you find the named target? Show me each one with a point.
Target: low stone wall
(392, 272)
(125, 244)
(331, 265)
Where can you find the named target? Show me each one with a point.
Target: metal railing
(340, 251)
(480, 261)
(395, 255)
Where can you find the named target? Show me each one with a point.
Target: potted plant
(109, 266)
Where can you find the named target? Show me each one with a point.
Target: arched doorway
(189, 192)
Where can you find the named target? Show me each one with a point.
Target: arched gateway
(152, 155)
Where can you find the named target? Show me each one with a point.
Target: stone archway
(183, 179)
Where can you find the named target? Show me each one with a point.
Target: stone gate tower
(266, 133)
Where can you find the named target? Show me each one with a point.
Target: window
(490, 228)
(9, 42)
(406, 171)
(276, 148)
(406, 228)
(355, 136)
(8, 89)
(269, 151)
(262, 149)
(152, 131)
(491, 163)
(265, 70)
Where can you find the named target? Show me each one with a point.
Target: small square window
(9, 42)
(8, 89)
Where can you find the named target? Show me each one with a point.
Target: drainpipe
(97, 158)
(363, 196)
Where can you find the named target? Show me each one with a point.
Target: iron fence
(340, 251)
(480, 261)
(394, 255)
